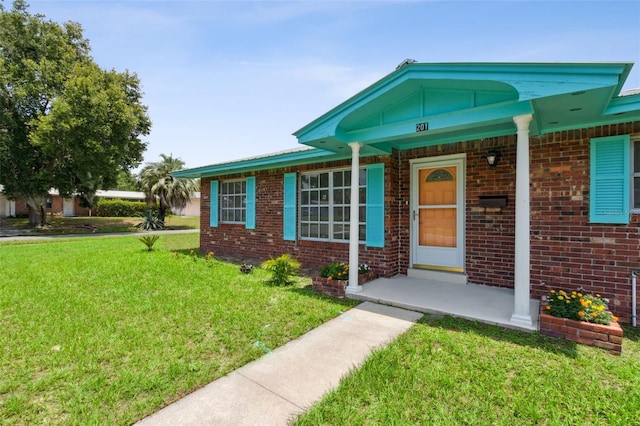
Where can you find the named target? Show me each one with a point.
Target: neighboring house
(191, 209)
(559, 209)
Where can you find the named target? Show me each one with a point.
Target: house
(516, 175)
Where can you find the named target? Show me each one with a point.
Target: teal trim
(251, 203)
(213, 207)
(610, 180)
(375, 205)
(267, 162)
(290, 207)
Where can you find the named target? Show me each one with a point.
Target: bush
(282, 269)
(121, 208)
(150, 222)
(340, 270)
(149, 241)
(579, 306)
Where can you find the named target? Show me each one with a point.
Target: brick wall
(233, 240)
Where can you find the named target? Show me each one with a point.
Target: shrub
(579, 306)
(150, 222)
(282, 269)
(120, 208)
(149, 241)
(340, 271)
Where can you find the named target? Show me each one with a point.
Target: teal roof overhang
(289, 158)
(427, 104)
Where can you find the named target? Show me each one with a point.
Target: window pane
(337, 179)
(337, 214)
(313, 181)
(324, 196)
(324, 230)
(324, 180)
(324, 214)
(363, 213)
(313, 230)
(314, 197)
(363, 195)
(314, 213)
(636, 157)
(304, 213)
(362, 234)
(347, 178)
(636, 192)
(304, 229)
(338, 196)
(347, 196)
(305, 198)
(304, 181)
(363, 177)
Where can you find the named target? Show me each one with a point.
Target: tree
(158, 182)
(66, 123)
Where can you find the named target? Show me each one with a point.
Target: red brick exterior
(566, 250)
(607, 337)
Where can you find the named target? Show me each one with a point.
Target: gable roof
(422, 104)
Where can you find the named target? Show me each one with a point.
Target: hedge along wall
(266, 240)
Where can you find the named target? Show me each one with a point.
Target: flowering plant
(340, 270)
(579, 306)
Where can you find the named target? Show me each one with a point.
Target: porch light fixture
(492, 158)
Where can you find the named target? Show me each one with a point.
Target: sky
(225, 80)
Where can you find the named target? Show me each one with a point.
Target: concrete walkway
(275, 388)
(17, 235)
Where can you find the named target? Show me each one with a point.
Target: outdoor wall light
(492, 158)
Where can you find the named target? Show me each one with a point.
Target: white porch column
(354, 219)
(522, 273)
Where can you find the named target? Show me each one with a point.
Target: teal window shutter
(213, 208)
(251, 203)
(375, 205)
(289, 215)
(610, 180)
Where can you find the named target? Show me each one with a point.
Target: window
(233, 201)
(325, 205)
(635, 193)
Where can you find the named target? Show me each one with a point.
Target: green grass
(58, 225)
(448, 371)
(103, 331)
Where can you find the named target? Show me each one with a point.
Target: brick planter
(335, 288)
(607, 337)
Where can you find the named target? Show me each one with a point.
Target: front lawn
(447, 371)
(60, 225)
(102, 331)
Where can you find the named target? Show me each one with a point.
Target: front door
(68, 208)
(438, 213)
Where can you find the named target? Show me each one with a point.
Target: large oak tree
(65, 123)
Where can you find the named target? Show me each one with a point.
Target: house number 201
(421, 127)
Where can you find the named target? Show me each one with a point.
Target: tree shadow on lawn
(502, 334)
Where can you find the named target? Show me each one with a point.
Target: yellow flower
(560, 298)
(563, 292)
(594, 314)
(601, 308)
(573, 293)
(568, 301)
(597, 295)
(553, 292)
(614, 318)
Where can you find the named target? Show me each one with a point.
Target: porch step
(441, 276)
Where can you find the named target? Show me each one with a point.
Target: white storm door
(438, 214)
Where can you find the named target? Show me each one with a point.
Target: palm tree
(158, 183)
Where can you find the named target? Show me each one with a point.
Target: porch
(491, 305)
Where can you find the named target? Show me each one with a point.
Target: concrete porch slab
(490, 305)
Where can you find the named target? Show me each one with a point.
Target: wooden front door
(438, 214)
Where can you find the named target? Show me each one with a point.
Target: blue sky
(225, 80)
